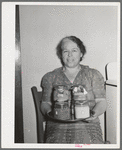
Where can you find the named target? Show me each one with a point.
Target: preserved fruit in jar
(61, 93)
(61, 110)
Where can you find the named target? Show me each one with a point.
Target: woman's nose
(70, 53)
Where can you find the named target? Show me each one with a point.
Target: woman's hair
(75, 40)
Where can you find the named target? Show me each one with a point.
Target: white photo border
(8, 77)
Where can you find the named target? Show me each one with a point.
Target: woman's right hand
(45, 107)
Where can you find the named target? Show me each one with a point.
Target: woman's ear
(81, 57)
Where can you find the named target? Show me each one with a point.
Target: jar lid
(81, 103)
(61, 102)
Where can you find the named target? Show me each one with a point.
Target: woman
(70, 51)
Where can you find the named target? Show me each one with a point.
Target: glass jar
(60, 93)
(61, 110)
(82, 110)
(78, 93)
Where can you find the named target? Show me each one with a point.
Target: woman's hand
(98, 109)
(45, 107)
(100, 106)
(93, 117)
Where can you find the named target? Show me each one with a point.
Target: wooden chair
(39, 116)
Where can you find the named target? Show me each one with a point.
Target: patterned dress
(78, 132)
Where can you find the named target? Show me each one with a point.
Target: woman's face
(70, 53)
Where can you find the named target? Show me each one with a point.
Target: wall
(41, 28)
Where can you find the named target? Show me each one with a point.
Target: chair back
(39, 117)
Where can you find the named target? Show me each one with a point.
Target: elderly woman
(70, 51)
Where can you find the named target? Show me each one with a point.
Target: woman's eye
(65, 51)
(74, 50)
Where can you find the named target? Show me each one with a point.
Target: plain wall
(42, 27)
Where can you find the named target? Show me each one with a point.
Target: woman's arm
(100, 106)
(45, 107)
(46, 85)
(98, 109)
(99, 94)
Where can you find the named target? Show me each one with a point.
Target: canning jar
(61, 110)
(81, 110)
(78, 93)
(60, 93)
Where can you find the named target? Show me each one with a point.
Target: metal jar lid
(81, 104)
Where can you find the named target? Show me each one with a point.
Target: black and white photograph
(60, 75)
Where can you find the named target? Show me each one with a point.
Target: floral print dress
(79, 132)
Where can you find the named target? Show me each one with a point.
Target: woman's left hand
(93, 116)
(98, 109)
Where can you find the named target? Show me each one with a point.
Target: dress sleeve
(46, 85)
(98, 85)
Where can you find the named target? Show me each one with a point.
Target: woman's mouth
(70, 60)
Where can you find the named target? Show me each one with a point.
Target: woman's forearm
(45, 107)
(100, 107)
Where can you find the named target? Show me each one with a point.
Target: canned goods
(61, 93)
(61, 110)
(82, 110)
(79, 93)
(78, 88)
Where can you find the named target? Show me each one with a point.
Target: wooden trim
(19, 136)
(105, 126)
